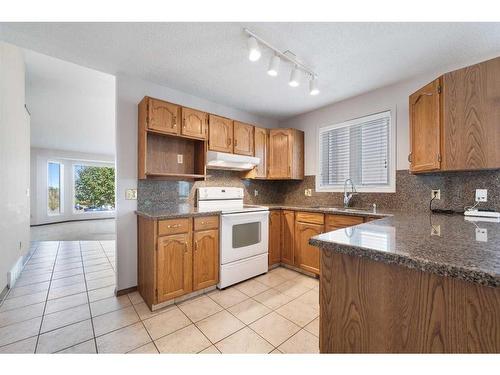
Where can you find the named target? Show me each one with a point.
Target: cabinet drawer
(342, 221)
(206, 222)
(310, 217)
(173, 226)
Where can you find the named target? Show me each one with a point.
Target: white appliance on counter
(244, 234)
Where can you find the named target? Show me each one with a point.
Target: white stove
(244, 233)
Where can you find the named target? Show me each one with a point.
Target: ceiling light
(273, 66)
(253, 49)
(294, 77)
(313, 86)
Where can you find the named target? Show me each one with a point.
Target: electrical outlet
(255, 193)
(481, 234)
(481, 195)
(131, 194)
(436, 230)
(436, 193)
(308, 192)
(180, 159)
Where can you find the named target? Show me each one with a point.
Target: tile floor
(64, 302)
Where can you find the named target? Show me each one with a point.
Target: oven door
(244, 235)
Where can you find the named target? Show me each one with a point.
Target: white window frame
(392, 162)
(61, 188)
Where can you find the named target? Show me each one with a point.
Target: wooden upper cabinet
(194, 123)
(205, 258)
(274, 237)
(163, 116)
(425, 128)
(174, 266)
(471, 112)
(261, 151)
(287, 237)
(307, 255)
(286, 154)
(243, 139)
(220, 134)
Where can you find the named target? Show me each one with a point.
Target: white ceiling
(72, 108)
(210, 59)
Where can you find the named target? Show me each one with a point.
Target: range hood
(223, 160)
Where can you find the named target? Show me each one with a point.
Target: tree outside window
(94, 188)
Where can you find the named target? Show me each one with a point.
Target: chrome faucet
(348, 197)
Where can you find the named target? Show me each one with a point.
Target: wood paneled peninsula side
(410, 283)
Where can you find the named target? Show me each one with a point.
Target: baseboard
(14, 272)
(121, 292)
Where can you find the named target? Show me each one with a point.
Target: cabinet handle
(185, 247)
(173, 226)
(409, 157)
(196, 246)
(174, 123)
(229, 141)
(235, 142)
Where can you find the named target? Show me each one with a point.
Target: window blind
(357, 149)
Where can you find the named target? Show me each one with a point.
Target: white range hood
(223, 160)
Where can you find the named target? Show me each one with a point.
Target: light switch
(481, 234)
(481, 195)
(131, 194)
(180, 159)
(308, 192)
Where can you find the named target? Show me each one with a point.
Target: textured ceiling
(210, 59)
(72, 108)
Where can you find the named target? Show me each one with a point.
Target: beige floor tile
(101, 283)
(21, 314)
(87, 347)
(313, 327)
(114, 320)
(292, 288)
(249, 310)
(166, 322)
(276, 351)
(66, 290)
(310, 298)
(210, 350)
(19, 331)
(17, 302)
(145, 313)
(285, 272)
(272, 298)
(199, 308)
(302, 342)
(184, 341)
(101, 293)
(63, 303)
(65, 317)
(30, 280)
(271, 279)
(307, 281)
(123, 340)
(251, 287)
(219, 326)
(67, 273)
(26, 346)
(67, 266)
(244, 341)
(145, 349)
(106, 305)
(274, 328)
(135, 298)
(99, 267)
(77, 279)
(99, 274)
(65, 337)
(298, 312)
(227, 297)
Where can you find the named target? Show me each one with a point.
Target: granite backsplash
(413, 192)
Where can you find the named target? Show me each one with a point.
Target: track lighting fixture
(253, 49)
(298, 68)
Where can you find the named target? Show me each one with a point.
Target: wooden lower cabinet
(174, 263)
(205, 258)
(307, 256)
(287, 237)
(274, 237)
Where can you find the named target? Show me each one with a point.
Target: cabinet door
(194, 123)
(163, 116)
(274, 237)
(220, 134)
(307, 255)
(205, 259)
(280, 154)
(243, 139)
(425, 128)
(261, 145)
(287, 237)
(174, 262)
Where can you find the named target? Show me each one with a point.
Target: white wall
(38, 202)
(130, 92)
(14, 160)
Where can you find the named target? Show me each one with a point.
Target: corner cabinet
(454, 121)
(286, 154)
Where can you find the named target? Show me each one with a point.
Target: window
(360, 149)
(94, 188)
(54, 187)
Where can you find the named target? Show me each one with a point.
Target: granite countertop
(174, 211)
(457, 247)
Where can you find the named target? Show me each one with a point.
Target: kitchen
(366, 223)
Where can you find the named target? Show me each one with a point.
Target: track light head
(274, 66)
(313, 86)
(294, 77)
(253, 49)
